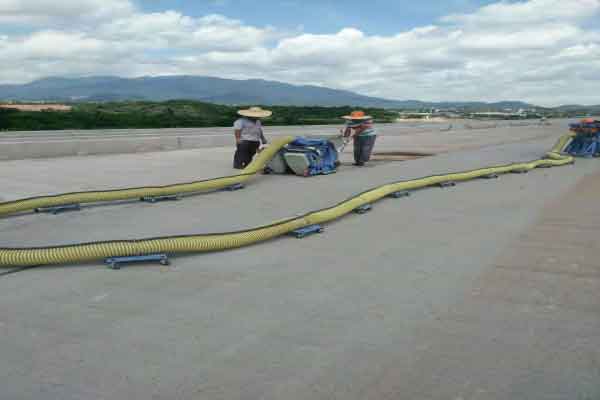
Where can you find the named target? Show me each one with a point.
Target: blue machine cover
(321, 154)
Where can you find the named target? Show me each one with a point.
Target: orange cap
(357, 115)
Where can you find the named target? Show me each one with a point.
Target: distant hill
(579, 107)
(214, 90)
(207, 89)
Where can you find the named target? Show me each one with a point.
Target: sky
(546, 52)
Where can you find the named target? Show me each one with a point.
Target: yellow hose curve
(252, 169)
(228, 240)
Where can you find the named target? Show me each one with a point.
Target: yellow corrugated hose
(252, 169)
(228, 240)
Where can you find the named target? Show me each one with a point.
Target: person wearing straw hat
(359, 127)
(248, 135)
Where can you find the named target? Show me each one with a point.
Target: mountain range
(215, 90)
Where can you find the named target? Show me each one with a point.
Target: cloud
(527, 12)
(59, 45)
(42, 12)
(523, 39)
(171, 29)
(543, 51)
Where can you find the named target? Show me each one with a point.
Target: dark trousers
(363, 146)
(244, 152)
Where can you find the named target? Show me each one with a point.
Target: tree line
(169, 114)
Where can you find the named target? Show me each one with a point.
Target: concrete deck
(488, 290)
(45, 144)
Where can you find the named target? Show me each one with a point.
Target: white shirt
(251, 130)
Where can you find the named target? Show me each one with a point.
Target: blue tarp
(321, 154)
(584, 146)
(587, 141)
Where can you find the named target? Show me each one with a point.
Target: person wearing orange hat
(360, 128)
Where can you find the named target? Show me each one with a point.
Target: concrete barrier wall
(48, 144)
(44, 148)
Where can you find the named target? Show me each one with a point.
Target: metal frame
(402, 193)
(447, 184)
(234, 187)
(363, 209)
(116, 262)
(156, 199)
(59, 209)
(306, 231)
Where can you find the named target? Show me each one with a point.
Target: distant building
(521, 114)
(36, 107)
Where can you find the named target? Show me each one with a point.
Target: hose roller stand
(156, 199)
(235, 187)
(363, 209)
(490, 176)
(116, 262)
(447, 184)
(402, 193)
(306, 231)
(59, 209)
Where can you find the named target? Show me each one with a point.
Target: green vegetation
(168, 114)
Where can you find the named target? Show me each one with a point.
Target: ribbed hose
(229, 240)
(561, 144)
(258, 164)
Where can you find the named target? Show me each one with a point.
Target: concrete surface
(488, 290)
(46, 144)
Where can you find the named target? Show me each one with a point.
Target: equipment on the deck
(306, 157)
(586, 142)
(156, 247)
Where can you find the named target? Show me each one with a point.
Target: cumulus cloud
(528, 12)
(40, 12)
(543, 51)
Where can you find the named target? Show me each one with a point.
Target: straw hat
(255, 112)
(357, 118)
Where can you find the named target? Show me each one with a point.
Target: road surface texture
(487, 290)
(45, 144)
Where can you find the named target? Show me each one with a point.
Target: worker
(359, 127)
(248, 135)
